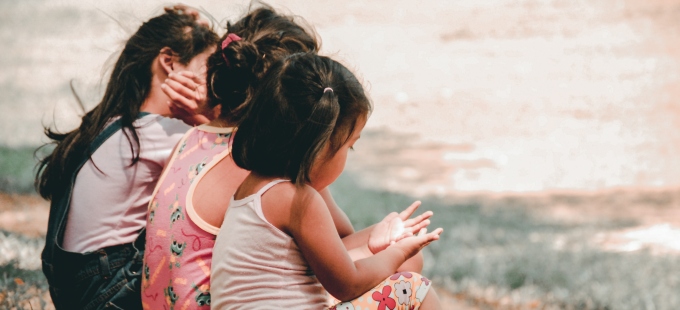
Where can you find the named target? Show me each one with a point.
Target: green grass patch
(17, 169)
(495, 249)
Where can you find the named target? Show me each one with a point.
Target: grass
(17, 168)
(499, 252)
(21, 288)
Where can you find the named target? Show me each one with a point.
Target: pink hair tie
(230, 38)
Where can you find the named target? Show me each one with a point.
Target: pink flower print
(403, 291)
(425, 280)
(406, 275)
(384, 299)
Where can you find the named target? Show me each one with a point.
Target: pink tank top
(179, 243)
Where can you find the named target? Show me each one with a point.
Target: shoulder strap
(65, 201)
(107, 133)
(268, 186)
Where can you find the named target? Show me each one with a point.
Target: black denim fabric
(108, 278)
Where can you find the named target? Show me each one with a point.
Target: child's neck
(220, 122)
(157, 101)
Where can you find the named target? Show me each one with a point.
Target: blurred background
(545, 136)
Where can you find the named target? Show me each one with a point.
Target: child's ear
(166, 58)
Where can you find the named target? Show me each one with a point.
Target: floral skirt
(403, 290)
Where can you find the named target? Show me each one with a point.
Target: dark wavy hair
(235, 71)
(292, 116)
(128, 87)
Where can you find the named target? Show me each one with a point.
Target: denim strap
(98, 141)
(56, 226)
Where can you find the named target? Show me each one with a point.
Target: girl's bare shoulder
(287, 194)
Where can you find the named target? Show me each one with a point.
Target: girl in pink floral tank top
(179, 243)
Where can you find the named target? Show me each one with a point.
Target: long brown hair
(128, 87)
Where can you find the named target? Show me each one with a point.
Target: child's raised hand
(184, 9)
(411, 246)
(187, 93)
(396, 226)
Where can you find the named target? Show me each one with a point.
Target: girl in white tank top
(278, 247)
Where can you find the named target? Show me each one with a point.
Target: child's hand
(184, 9)
(411, 246)
(395, 227)
(187, 93)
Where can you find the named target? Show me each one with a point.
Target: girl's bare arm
(342, 223)
(311, 225)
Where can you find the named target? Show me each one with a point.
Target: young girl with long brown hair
(100, 176)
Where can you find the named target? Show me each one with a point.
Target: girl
(189, 202)
(277, 247)
(100, 176)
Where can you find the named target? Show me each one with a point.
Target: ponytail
(235, 70)
(318, 128)
(305, 103)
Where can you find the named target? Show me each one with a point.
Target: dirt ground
(23, 214)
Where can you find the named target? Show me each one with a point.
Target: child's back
(179, 243)
(261, 263)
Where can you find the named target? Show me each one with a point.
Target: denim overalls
(108, 278)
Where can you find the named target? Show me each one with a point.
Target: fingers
(192, 85)
(434, 235)
(203, 22)
(182, 9)
(416, 243)
(179, 100)
(187, 79)
(190, 75)
(418, 226)
(404, 215)
(185, 90)
(418, 219)
(189, 11)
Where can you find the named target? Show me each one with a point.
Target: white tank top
(257, 266)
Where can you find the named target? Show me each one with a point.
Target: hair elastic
(232, 37)
(327, 89)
